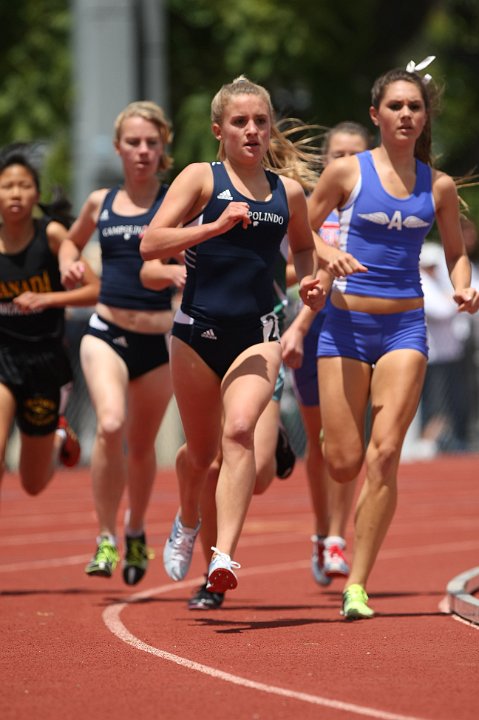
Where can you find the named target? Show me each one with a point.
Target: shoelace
(137, 551)
(225, 557)
(356, 592)
(336, 552)
(182, 542)
(106, 552)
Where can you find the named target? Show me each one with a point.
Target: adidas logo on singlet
(120, 340)
(225, 195)
(105, 215)
(209, 334)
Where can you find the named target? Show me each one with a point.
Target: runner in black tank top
(35, 372)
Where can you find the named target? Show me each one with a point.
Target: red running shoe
(70, 449)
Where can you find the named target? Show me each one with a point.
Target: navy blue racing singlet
(120, 238)
(231, 276)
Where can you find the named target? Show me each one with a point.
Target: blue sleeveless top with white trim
(385, 233)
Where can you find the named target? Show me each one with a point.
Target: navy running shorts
(219, 345)
(141, 352)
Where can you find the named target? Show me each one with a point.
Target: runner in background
(35, 372)
(124, 353)
(331, 501)
(273, 453)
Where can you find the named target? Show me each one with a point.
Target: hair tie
(412, 67)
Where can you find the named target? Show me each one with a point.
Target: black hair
(19, 153)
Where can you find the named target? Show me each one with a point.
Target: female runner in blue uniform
(124, 353)
(230, 218)
(373, 342)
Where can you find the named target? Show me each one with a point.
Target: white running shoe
(220, 573)
(178, 549)
(334, 562)
(317, 566)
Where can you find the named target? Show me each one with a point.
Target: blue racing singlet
(385, 233)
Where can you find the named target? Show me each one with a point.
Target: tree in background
(452, 33)
(36, 89)
(317, 59)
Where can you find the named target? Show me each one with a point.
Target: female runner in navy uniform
(124, 354)
(229, 217)
(373, 342)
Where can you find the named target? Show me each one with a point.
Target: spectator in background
(444, 405)
(471, 240)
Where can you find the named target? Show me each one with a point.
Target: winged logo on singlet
(396, 221)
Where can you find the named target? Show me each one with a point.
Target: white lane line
(86, 534)
(111, 618)
(385, 554)
(45, 564)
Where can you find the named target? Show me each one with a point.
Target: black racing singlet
(34, 269)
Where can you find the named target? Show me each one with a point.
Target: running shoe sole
(221, 580)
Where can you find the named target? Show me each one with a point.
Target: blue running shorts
(367, 336)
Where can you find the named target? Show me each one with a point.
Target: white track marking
(111, 618)
(45, 564)
(470, 624)
(386, 553)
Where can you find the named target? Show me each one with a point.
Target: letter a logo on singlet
(396, 221)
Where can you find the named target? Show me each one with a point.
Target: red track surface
(74, 647)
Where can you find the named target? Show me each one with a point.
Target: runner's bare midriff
(380, 306)
(141, 321)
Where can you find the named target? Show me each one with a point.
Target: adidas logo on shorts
(120, 340)
(209, 334)
(225, 195)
